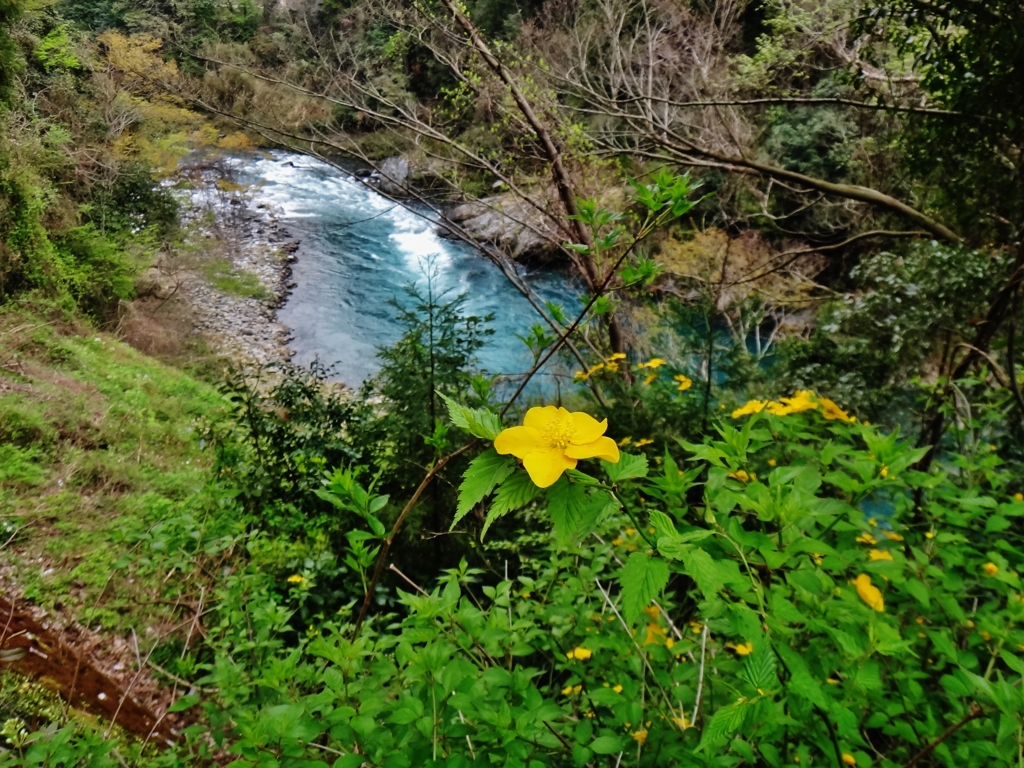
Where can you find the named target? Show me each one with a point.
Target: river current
(358, 250)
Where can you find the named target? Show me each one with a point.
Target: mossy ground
(103, 479)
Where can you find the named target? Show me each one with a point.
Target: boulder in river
(394, 176)
(512, 224)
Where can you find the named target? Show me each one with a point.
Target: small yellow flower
(873, 522)
(884, 472)
(649, 378)
(892, 536)
(740, 475)
(617, 688)
(617, 542)
(879, 554)
(867, 538)
(296, 579)
(579, 652)
(985, 635)
(920, 619)
(571, 689)
(643, 442)
(615, 357)
(580, 376)
(625, 441)
(654, 362)
(930, 535)
(589, 713)
(772, 462)
(1018, 497)
(681, 722)
(742, 649)
(991, 447)
(630, 531)
(752, 406)
(525, 595)
(685, 382)
(818, 559)
(653, 634)
(640, 736)
(653, 612)
(990, 568)
(833, 412)
(869, 593)
(551, 440)
(832, 681)
(849, 759)
(669, 642)
(802, 400)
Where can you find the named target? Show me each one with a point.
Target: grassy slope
(102, 476)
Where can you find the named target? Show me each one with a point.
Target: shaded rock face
(394, 176)
(510, 224)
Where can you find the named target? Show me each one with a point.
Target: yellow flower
(296, 579)
(640, 736)
(685, 382)
(873, 522)
(653, 611)
(867, 538)
(1018, 497)
(892, 536)
(985, 635)
(991, 569)
(642, 443)
(654, 362)
(617, 542)
(802, 400)
(630, 531)
(772, 462)
(884, 472)
(743, 649)
(579, 652)
(570, 689)
(615, 357)
(833, 412)
(742, 476)
(681, 722)
(669, 642)
(818, 559)
(611, 367)
(869, 593)
(625, 441)
(654, 631)
(752, 406)
(849, 759)
(649, 378)
(879, 554)
(617, 688)
(580, 376)
(930, 535)
(551, 440)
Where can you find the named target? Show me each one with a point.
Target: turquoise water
(357, 251)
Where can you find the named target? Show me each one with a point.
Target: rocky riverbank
(234, 272)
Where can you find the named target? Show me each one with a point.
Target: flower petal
(602, 448)
(541, 417)
(587, 428)
(545, 467)
(519, 441)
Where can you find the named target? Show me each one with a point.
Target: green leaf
(801, 682)
(642, 579)
(185, 702)
(606, 745)
(700, 567)
(516, 491)
(628, 467)
(573, 512)
(482, 475)
(479, 422)
(727, 721)
(759, 668)
(663, 525)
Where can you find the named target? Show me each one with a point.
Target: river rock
(394, 176)
(510, 223)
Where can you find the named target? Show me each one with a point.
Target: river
(358, 250)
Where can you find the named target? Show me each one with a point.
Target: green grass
(227, 278)
(103, 481)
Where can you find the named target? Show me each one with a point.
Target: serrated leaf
(482, 475)
(727, 721)
(573, 512)
(628, 467)
(478, 422)
(801, 682)
(759, 669)
(642, 579)
(516, 491)
(662, 524)
(700, 567)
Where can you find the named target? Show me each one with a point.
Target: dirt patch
(77, 664)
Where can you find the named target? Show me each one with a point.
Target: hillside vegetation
(774, 519)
